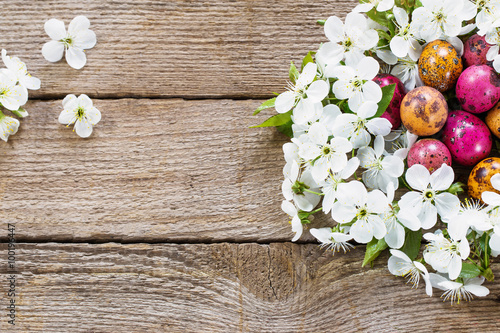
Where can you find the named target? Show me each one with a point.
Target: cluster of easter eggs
(463, 134)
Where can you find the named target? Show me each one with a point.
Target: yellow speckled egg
(424, 111)
(479, 178)
(493, 120)
(439, 65)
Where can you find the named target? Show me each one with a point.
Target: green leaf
(21, 113)
(482, 244)
(307, 59)
(469, 271)
(412, 243)
(373, 249)
(488, 274)
(387, 94)
(321, 22)
(276, 120)
(378, 17)
(286, 129)
(293, 73)
(266, 105)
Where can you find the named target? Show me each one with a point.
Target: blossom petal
(418, 177)
(353, 194)
(372, 92)
(367, 68)
(428, 215)
(367, 110)
(342, 213)
(76, 58)
(362, 231)
(284, 102)
(411, 202)
(83, 128)
(351, 167)
(379, 229)
(66, 117)
(30, 82)
(447, 204)
(55, 29)
(318, 134)
(334, 29)
(379, 126)
(317, 91)
(393, 166)
(454, 267)
(377, 202)
(297, 228)
(395, 237)
(53, 51)
(86, 40)
(409, 220)
(93, 115)
(491, 198)
(323, 235)
(399, 46)
(442, 178)
(308, 74)
(479, 291)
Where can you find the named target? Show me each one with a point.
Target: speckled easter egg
(480, 177)
(478, 88)
(431, 153)
(392, 113)
(475, 49)
(493, 120)
(424, 111)
(467, 137)
(439, 65)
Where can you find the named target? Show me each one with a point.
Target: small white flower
(400, 264)
(456, 291)
(324, 115)
(328, 155)
(405, 41)
(395, 220)
(471, 214)
(290, 209)
(429, 200)
(332, 240)
(437, 18)
(407, 71)
(329, 186)
(403, 144)
(446, 256)
(357, 127)
(356, 203)
(352, 38)
(488, 16)
(381, 170)
(78, 38)
(355, 82)
(380, 5)
(20, 71)
(81, 112)
(12, 96)
(306, 201)
(8, 126)
(303, 95)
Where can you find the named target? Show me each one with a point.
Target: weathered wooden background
(167, 219)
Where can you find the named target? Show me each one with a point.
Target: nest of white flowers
(398, 94)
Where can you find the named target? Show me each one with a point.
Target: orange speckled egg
(493, 120)
(424, 111)
(479, 178)
(439, 65)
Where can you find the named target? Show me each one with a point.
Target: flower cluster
(15, 80)
(353, 146)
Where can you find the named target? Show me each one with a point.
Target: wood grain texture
(177, 48)
(226, 288)
(153, 170)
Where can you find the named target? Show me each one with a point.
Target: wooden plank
(175, 48)
(225, 287)
(153, 170)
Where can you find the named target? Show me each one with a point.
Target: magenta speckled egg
(431, 153)
(467, 137)
(478, 88)
(392, 113)
(475, 49)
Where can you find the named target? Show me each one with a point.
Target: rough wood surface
(226, 288)
(192, 49)
(153, 170)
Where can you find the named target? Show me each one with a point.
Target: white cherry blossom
(20, 71)
(381, 169)
(81, 112)
(352, 38)
(429, 199)
(446, 255)
(356, 203)
(405, 42)
(400, 264)
(72, 43)
(8, 126)
(355, 82)
(331, 239)
(357, 127)
(456, 291)
(12, 95)
(407, 71)
(304, 200)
